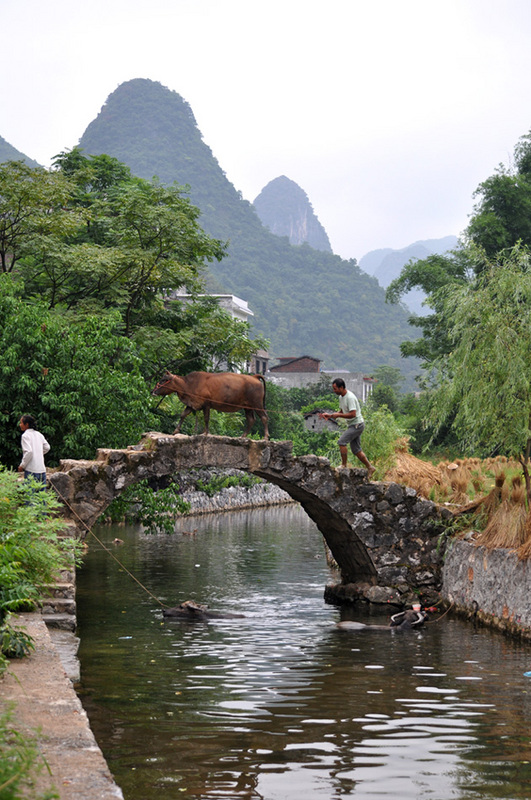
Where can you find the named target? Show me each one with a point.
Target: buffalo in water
(196, 612)
(221, 391)
(404, 621)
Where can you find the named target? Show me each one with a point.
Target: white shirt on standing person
(34, 447)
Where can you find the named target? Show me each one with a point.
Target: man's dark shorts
(352, 436)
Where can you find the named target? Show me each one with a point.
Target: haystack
(524, 551)
(412, 471)
(486, 505)
(507, 526)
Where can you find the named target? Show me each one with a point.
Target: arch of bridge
(379, 533)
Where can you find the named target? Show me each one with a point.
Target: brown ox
(222, 391)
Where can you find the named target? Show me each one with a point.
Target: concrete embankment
(47, 708)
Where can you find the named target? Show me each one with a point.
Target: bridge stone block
(394, 494)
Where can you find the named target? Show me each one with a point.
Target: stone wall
(491, 586)
(404, 536)
(230, 498)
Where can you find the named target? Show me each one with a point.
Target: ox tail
(261, 378)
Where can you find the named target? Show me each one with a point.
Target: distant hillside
(9, 153)
(304, 300)
(284, 208)
(386, 265)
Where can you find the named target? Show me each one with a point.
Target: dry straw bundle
(412, 471)
(506, 526)
(500, 513)
(524, 551)
(486, 505)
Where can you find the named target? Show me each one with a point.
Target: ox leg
(206, 414)
(264, 418)
(249, 420)
(185, 413)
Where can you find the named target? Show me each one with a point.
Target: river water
(282, 705)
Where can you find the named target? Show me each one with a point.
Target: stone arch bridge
(382, 535)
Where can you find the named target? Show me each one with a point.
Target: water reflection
(281, 704)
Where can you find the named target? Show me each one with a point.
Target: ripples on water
(281, 704)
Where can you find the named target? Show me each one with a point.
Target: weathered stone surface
(378, 533)
(491, 585)
(394, 494)
(380, 594)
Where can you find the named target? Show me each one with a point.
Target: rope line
(107, 550)
(235, 406)
(433, 621)
(202, 398)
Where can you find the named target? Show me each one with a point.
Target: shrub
(381, 434)
(31, 553)
(155, 510)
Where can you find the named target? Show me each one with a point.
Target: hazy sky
(388, 113)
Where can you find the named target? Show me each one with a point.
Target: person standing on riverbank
(34, 448)
(350, 409)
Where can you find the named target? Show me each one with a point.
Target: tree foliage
(433, 275)
(477, 296)
(88, 258)
(79, 376)
(484, 384)
(33, 213)
(502, 216)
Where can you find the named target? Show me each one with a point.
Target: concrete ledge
(45, 701)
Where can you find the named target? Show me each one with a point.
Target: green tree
(88, 237)
(502, 216)
(78, 375)
(33, 210)
(384, 395)
(501, 219)
(389, 376)
(483, 389)
(387, 388)
(140, 240)
(434, 275)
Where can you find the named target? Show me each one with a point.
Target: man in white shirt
(350, 409)
(34, 446)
